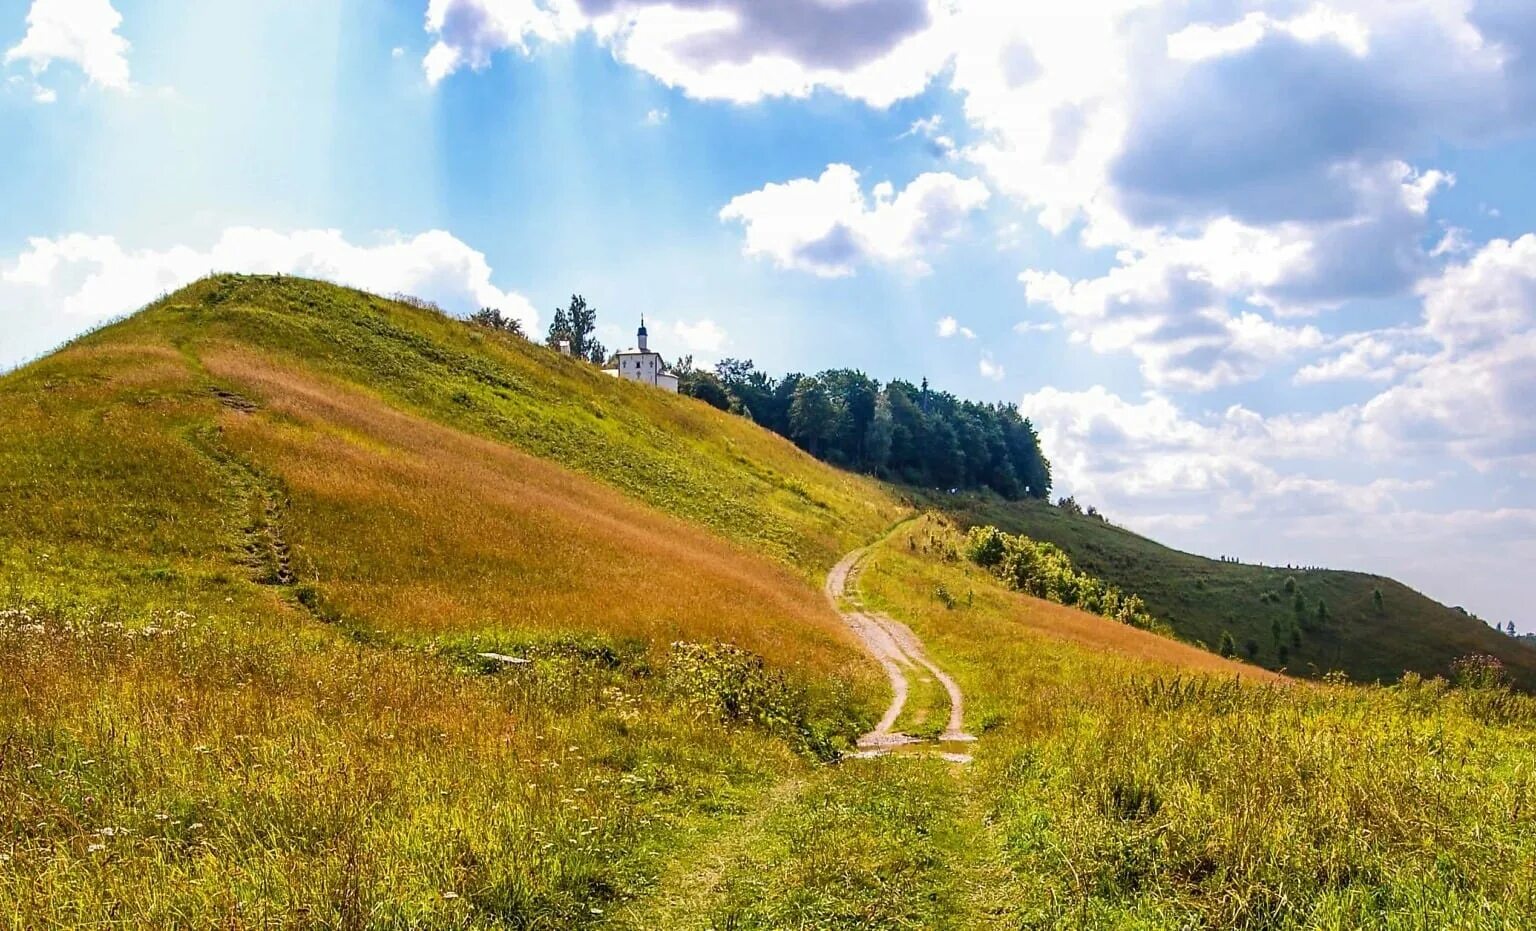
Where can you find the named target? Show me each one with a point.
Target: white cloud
(879, 51)
(1376, 356)
(1150, 457)
(656, 117)
(932, 129)
(701, 337)
(1473, 395)
(82, 32)
(990, 369)
(58, 287)
(1200, 310)
(1202, 41)
(397, 52)
(949, 326)
(828, 226)
(469, 32)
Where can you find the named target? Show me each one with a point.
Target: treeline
(1044, 570)
(899, 431)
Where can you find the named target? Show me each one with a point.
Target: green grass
(1204, 598)
(1129, 790)
(251, 543)
(254, 540)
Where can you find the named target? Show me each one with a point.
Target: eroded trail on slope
(898, 650)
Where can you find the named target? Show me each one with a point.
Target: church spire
(642, 334)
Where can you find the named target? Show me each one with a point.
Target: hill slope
(1273, 609)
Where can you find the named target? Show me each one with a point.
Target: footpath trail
(899, 651)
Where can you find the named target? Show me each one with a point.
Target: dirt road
(898, 650)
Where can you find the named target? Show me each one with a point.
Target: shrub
(1479, 671)
(1045, 571)
(945, 598)
(735, 686)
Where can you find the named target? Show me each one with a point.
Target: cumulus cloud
(1374, 356)
(828, 226)
(1205, 309)
(58, 287)
(1474, 394)
(739, 50)
(1148, 456)
(81, 32)
(949, 326)
(469, 32)
(700, 337)
(990, 369)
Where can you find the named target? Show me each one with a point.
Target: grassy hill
(1275, 610)
(323, 610)
(252, 543)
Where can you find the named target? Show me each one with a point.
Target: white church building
(642, 365)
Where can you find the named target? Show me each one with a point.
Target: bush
(735, 686)
(1479, 671)
(945, 598)
(1045, 571)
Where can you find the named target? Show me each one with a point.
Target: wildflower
(450, 895)
(94, 848)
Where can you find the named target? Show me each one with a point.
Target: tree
(493, 319)
(559, 330)
(577, 323)
(1228, 645)
(879, 435)
(1511, 628)
(705, 386)
(1376, 599)
(810, 416)
(1322, 612)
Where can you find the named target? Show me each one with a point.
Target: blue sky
(1263, 273)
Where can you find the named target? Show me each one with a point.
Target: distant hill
(1205, 598)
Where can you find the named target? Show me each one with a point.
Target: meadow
(1123, 779)
(320, 610)
(243, 607)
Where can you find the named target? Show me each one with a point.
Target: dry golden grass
(418, 529)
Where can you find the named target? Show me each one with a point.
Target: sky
(1263, 274)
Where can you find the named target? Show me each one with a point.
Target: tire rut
(898, 650)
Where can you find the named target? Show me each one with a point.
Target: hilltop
(1275, 610)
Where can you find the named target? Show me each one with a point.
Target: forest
(899, 431)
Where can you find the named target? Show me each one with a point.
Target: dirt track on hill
(897, 649)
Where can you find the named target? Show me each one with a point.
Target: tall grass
(1128, 788)
(242, 607)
